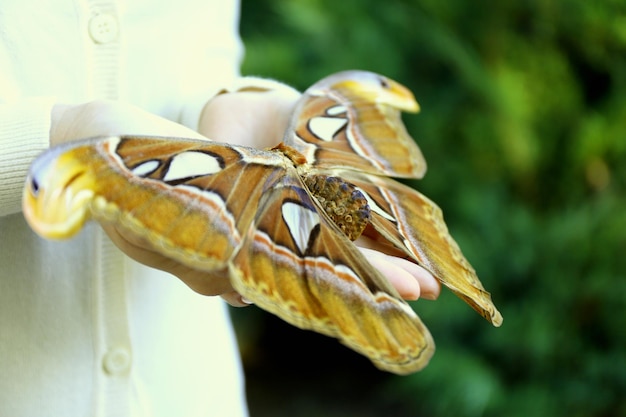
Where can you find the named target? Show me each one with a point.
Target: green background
(523, 126)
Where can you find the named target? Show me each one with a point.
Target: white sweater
(85, 331)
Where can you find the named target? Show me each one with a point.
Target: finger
(407, 286)
(430, 287)
(410, 280)
(235, 299)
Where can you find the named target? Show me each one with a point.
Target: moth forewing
(353, 120)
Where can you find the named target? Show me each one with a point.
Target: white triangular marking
(326, 128)
(191, 164)
(300, 221)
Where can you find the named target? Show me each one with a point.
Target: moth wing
(352, 119)
(296, 264)
(182, 195)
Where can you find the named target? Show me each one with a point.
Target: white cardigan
(85, 331)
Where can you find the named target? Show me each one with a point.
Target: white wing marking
(300, 221)
(326, 128)
(191, 164)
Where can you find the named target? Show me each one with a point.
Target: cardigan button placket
(103, 28)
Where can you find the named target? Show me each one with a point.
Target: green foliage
(523, 125)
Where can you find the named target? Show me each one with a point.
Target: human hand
(259, 119)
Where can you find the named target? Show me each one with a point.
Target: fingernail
(246, 301)
(430, 296)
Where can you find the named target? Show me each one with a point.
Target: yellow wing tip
(54, 221)
(374, 88)
(57, 194)
(496, 318)
(409, 106)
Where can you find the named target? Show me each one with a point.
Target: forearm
(105, 117)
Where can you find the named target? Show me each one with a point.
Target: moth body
(342, 201)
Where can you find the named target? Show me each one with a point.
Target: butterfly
(279, 222)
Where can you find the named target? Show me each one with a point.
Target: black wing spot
(384, 83)
(34, 186)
